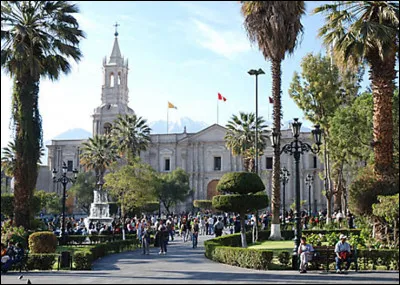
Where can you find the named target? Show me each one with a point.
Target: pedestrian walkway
(183, 264)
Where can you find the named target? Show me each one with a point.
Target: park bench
(325, 255)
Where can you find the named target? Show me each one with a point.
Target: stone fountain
(99, 209)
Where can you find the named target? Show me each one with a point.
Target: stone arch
(119, 79)
(212, 189)
(107, 128)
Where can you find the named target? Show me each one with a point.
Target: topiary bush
(43, 242)
(240, 183)
(203, 204)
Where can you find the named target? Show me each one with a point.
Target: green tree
(51, 203)
(98, 154)
(388, 209)
(174, 187)
(131, 134)
(274, 26)
(240, 137)
(319, 91)
(203, 204)
(38, 39)
(368, 31)
(242, 192)
(132, 185)
(83, 190)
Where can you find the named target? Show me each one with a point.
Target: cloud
(225, 43)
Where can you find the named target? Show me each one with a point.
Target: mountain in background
(160, 127)
(74, 134)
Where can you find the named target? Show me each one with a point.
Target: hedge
(84, 258)
(80, 239)
(44, 261)
(338, 231)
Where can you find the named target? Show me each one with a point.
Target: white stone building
(202, 155)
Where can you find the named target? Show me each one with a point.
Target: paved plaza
(185, 265)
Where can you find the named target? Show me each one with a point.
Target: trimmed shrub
(240, 183)
(203, 204)
(284, 257)
(43, 242)
(83, 260)
(240, 202)
(41, 261)
(243, 257)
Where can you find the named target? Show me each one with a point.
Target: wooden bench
(325, 255)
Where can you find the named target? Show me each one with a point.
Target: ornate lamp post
(64, 180)
(284, 177)
(297, 148)
(309, 181)
(256, 73)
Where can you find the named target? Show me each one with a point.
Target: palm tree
(240, 137)
(38, 38)
(274, 26)
(131, 134)
(368, 31)
(98, 154)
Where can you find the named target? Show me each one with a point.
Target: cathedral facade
(203, 155)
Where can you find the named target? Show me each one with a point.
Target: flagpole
(268, 110)
(217, 111)
(167, 118)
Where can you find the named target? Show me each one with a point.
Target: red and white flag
(271, 100)
(220, 97)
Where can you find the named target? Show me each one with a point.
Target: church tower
(114, 93)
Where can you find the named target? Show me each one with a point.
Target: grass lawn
(272, 244)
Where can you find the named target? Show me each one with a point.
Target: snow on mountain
(177, 126)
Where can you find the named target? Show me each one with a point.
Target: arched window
(112, 79)
(119, 78)
(107, 128)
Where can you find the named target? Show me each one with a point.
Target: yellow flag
(170, 105)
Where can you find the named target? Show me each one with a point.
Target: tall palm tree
(98, 154)
(38, 38)
(240, 137)
(131, 134)
(274, 26)
(368, 31)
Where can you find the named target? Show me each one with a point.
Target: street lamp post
(284, 177)
(64, 180)
(256, 73)
(309, 180)
(296, 148)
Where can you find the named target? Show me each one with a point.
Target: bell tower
(114, 91)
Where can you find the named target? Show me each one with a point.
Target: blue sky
(182, 52)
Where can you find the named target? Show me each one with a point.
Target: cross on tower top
(116, 26)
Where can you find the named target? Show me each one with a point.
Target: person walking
(146, 239)
(195, 233)
(218, 227)
(163, 236)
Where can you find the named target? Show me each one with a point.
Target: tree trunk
(28, 141)
(382, 76)
(276, 191)
(243, 230)
(327, 182)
